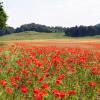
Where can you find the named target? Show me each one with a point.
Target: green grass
(42, 36)
(32, 36)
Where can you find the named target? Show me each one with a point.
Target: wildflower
(94, 70)
(92, 84)
(37, 94)
(33, 69)
(14, 84)
(24, 71)
(3, 83)
(9, 90)
(40, 79)
(17, 78)
(37, 97)
(24, 89)
(61, 76)
(56, 93)
(44, 86)
(71, 92)
(62, 94)
(57, 81)
(59, 94)
(43, 93)
(36, 91)
(98, 92)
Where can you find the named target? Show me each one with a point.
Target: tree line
(80, 31)
(31, 27)
(77, 31)
(39, 28)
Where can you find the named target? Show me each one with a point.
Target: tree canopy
(32, 27)
(3, 16)
(79, 31)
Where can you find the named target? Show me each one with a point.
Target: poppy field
(30, 72)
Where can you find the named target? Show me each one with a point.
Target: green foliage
(3, 17)
(7, 30)
(80, 31)
(32, 27)
(38, 28)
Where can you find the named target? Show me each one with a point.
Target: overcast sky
(52, 12)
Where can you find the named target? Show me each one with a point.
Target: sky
(66, 13)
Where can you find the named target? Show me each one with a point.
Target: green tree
(3, 16)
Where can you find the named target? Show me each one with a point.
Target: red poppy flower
(36, 91)
(40, 79)
(92, 84)
(57, 81)
(71, 92)
(3, 83)
(9, 90)
(24, 89)
(44, 86)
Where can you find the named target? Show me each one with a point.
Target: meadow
(41, 36)
(49, 68)
(32, 36)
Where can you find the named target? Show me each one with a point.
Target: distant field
(48, 39)
(32, 36)
(38, 36)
